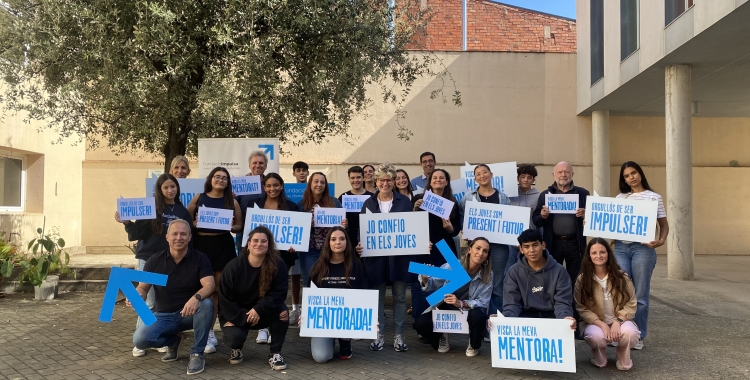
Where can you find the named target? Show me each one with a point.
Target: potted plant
(9, 258)
(45, 257)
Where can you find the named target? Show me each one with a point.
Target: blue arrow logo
(456, 277)
(267, 149)
(121, 279)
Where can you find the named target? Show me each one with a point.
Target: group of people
(245, 286)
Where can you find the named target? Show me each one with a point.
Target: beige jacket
(590, 316)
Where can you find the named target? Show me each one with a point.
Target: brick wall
(495, 27)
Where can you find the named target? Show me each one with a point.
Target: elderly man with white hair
(183, 303)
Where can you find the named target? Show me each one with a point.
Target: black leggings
(235, 336)
(477, 320)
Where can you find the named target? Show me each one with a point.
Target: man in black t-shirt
(182, 304)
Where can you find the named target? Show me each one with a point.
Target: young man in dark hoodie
(537, 286)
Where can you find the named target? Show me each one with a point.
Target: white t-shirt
(646, 195)
(609, 306)
(385, 206)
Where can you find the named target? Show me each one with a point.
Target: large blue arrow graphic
(456, 277)
(267, 149)
(121, 279)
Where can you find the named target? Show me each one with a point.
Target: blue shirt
(420, 182)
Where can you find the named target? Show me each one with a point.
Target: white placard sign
(561, 203)
(233, 154)
(450, 321)
(246, 185)
(394, 233)
(328, 216)
(289, 228)
(499, 224)
(622, 219)
(504, 177)
(437, 205)
(532, 343)
(459, 189)
(353, 203)
(339, 313)
(136, 208)
(215, 218)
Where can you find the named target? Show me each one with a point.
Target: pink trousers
(594, 336)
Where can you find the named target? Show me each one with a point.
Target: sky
(565, 8)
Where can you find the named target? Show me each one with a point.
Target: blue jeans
(513, 254)
(149, 297)
(418, 299)
(163, 332)
(498, 258)
(306, 262)
(322, 348)
(398, 290)
(638, 261)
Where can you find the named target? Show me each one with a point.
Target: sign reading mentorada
(503, 177)
(561, 203)
(233, 154)
(246, 185)
(353, 203)
(289, 228)
(532, 343)
(622, 219)
(394, 233)
(136, 208)
(500, 224)
(328, 216)
(339, 313)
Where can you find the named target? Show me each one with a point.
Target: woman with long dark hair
(605, 300)
(403, 184)
(252, 292)
(336, 268)
(475, 298)
(218, 245)
(638, 260)
(316, 195)
(151, 234)
(274, 198)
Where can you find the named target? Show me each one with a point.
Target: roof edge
(530, 10)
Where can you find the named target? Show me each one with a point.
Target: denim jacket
(479, 292)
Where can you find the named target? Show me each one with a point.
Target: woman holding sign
(336, 268)
(316, 195)
(384, 268)
(440, 229)
(473, 299)
(252, 292)
(151, 234)
(638, 260)
(498, 252)
(605, 300)
(218, 245)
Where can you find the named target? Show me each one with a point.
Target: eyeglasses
(219, 178)
(383, 180)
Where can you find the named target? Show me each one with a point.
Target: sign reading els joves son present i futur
(339, 313)
(500, 224)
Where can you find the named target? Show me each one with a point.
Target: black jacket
(238, 291)
(547, 223)
(384, 268)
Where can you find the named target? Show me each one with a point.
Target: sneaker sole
(400, 349)
(210, 350)
(472, 355)
(176, 351)
(344, 357)
(444, 351)
(236, 361)
(139, 354)
(278, 367)
(195, 373)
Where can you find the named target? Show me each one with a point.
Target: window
(628, 28)
(11, 184)
(597, 40)
(674, 8)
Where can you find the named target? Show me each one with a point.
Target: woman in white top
(636, 259)
(606, 301)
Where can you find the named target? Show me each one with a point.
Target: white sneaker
(263, 337)
(210, 348)
(212, 338)
(162, 349)
(444, 346)
(293, 317)
(639, 345)
(471, 352)
(137, 353)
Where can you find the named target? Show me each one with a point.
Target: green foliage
(156, 75)
(45, 256)
(9, 256)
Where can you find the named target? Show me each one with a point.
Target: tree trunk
(176, 144)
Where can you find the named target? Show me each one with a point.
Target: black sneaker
(276, 361)
(235, 357)
(171, 354)
(196, 364)
(345, 349)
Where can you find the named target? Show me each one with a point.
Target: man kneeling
(182, 304)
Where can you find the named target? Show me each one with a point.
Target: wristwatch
(198, 296)
(618, 319)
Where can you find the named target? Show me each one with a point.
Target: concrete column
(679, 172)
(600, 141)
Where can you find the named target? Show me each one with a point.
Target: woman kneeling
(605, 299)
(475, 297)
